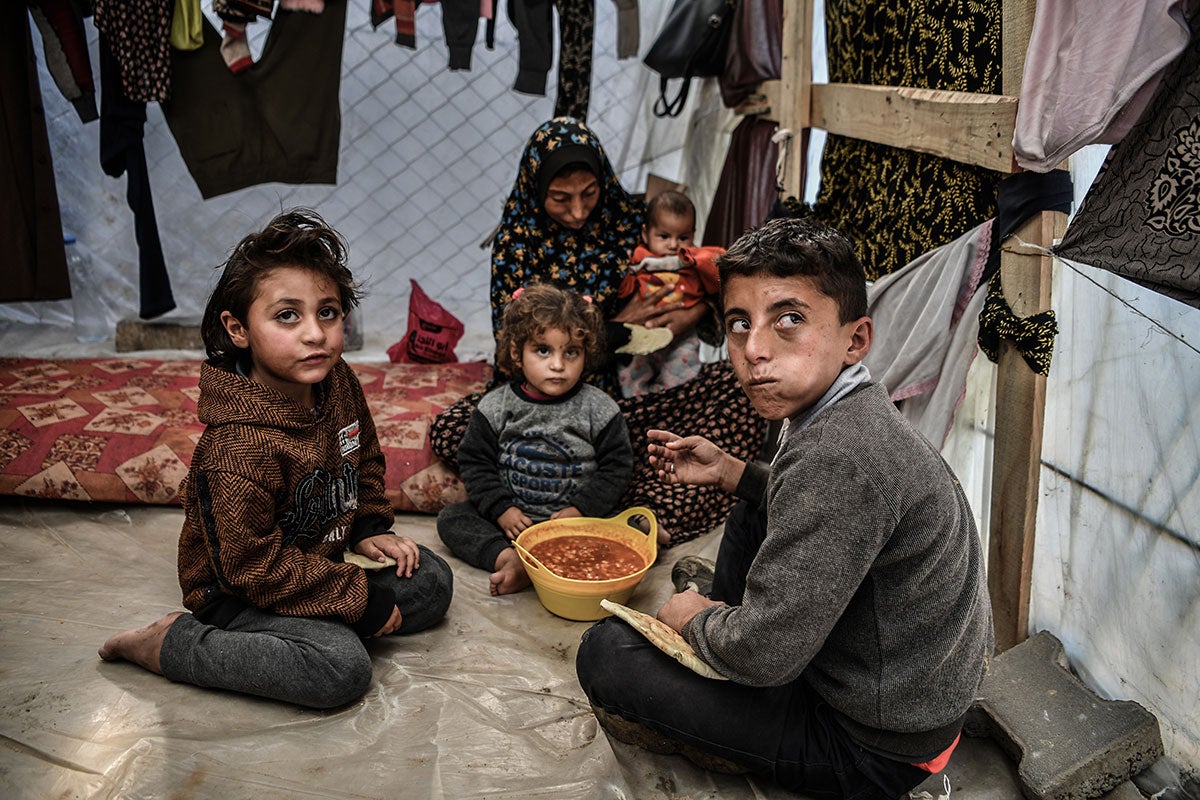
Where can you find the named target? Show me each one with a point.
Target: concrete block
(1069, 744)
(139, 334)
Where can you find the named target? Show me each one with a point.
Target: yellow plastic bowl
(580, 600)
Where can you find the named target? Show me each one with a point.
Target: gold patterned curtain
(897, 204)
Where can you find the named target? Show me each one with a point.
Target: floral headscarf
(533, 248)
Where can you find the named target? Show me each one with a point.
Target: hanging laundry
(405, 14)
(122, 152)
(576, 23)
(280, 121)
(460, 22)
(628, 29)
(487, 10)
(64, 45)
(1140, 217)
(926, 317)
(1090, 70)
(747, 184)
(187, 28)
(139, 33)
(35, 264)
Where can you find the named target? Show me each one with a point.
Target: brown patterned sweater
(274, 496)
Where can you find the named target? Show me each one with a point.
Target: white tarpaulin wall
(1117, 557)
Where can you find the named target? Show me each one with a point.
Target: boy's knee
(598, 662)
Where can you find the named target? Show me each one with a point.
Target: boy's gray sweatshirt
(869, 583)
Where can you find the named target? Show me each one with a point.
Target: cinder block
(1069, 744)
(139, 334)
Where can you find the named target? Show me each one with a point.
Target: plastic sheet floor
(485, 705)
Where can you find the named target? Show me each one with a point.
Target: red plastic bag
(432, 332)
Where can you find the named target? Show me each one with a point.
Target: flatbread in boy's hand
(368, 563)
(644, 341)
(664, 638)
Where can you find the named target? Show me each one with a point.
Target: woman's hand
(640, 310)
(680, 321)
(401, 548)
(693, 460)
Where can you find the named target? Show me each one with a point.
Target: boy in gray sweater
(848, 608)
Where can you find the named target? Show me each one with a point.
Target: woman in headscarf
(568, 221)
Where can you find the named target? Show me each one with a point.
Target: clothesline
(1025, 247)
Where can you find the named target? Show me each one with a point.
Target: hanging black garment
(278, 121)
(122, 152)
(35, 265)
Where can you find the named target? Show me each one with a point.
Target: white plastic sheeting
(484, 705)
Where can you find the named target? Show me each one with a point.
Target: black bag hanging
(691, 44)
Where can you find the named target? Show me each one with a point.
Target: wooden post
(1020, 393)
(795, 99)
(1017, 452)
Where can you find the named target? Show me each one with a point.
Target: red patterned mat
(123, 429)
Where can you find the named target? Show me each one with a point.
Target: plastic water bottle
(91, 323)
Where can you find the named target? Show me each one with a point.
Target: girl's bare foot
(142, 646)
(510, 575)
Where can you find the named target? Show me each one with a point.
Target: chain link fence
(427, 158)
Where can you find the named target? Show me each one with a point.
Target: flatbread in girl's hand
(368, 563)
(664, 638)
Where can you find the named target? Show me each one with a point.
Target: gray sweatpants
(320, 663)
(469, 536)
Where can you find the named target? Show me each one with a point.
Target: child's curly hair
(295, 238)
(540, 307)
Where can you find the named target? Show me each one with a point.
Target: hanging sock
(406, 23)
(234, 47)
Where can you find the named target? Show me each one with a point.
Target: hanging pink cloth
(1090, 70)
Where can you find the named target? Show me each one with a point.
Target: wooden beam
(1020, 394)
(795, 98)
(963, 126)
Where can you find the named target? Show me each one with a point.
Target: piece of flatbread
(644, 341)
(368, 563)
(664, 638)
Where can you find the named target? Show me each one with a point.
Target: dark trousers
(319, 663)
(786, 732)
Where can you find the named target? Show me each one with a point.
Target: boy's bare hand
(401, 548)
(693, 460)
(513, 521)
(392, 625)
(569, 511)
(681, 607)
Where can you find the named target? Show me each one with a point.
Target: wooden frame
(975, 129)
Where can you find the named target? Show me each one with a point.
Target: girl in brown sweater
(286, 479)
